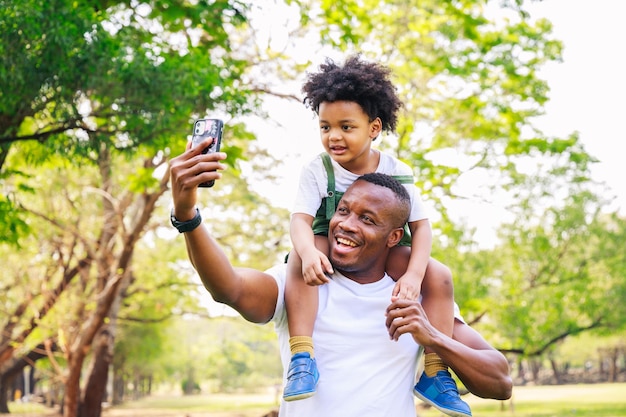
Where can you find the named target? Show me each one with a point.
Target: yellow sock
(433, 364)
(298, 344)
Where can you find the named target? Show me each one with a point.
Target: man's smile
(346, 242)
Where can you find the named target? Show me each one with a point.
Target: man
(367, 361)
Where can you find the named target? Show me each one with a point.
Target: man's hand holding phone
(188, 171)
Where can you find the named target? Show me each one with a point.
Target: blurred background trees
(95, 97)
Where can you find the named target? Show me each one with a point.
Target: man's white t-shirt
(362, 372)
(314, 182)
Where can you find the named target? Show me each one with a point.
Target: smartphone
(208, 128)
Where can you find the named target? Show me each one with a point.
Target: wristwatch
(187, 226)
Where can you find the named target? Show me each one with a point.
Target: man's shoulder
(278, 271)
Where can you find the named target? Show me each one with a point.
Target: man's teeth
(346, 242)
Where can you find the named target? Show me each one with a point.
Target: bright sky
(588, 94)
(588, 90)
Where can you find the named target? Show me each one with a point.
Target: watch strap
(186, 226)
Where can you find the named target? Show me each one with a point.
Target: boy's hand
(407, 288)
(314, 268)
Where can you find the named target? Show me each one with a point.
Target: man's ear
(376, 126)
(394, 237)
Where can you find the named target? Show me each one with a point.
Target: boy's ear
(376, 126)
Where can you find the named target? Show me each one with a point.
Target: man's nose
(348, 222)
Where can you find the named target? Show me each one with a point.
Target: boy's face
(347, 135)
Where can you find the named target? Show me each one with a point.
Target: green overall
(330, 202)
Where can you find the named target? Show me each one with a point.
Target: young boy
(355, 103)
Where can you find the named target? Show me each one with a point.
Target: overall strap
(404, 179)
(330, 186)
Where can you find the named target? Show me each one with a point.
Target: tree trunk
(521, 370)
(118, 386)
(4, 395)
(556, 372)
(613, 367)
(535, 367)
(95, 391)
(71, 397)
(17, 387)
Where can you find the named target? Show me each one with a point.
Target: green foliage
(117, 82)
(12, 225)
(556, 280)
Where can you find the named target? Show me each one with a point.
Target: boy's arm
(421, 244)
(314, 264)
(301, 233)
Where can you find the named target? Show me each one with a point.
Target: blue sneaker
(441, 392)
(302, 377)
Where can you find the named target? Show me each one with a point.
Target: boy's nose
(334, 134)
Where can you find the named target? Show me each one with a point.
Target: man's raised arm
(252, 293)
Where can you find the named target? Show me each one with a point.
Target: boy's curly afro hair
(366, 83)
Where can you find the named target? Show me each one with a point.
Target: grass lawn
(598, 400)
(601, 400)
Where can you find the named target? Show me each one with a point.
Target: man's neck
(365, 277)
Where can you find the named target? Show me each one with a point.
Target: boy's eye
(324, 128)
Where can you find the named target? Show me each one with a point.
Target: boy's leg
(398, 261)
(301, 302)
(436, 385)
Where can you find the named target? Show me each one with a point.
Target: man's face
(361, 231)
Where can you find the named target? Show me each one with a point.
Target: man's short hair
(394, 185)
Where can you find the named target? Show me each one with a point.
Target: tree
(79, 75)
(93, 83)
(561, 272)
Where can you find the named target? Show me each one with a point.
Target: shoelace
(449, 385)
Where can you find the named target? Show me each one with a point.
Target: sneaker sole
(447, 411)
(297, 397)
